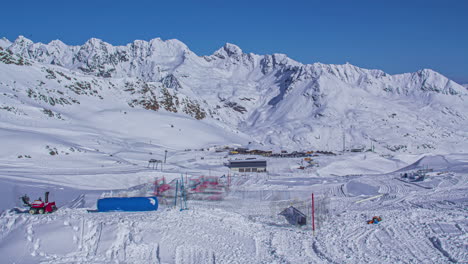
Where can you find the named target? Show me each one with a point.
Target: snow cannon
(127, 204)
(39, 206)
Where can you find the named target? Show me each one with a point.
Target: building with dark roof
(248, 165)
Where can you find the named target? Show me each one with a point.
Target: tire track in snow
(194, 255)
(438, 245)
(320, 254)
(206, 228)
(336, 190)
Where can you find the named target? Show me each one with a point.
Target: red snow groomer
(39, 206)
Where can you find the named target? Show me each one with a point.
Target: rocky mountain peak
(154, 59)
(232, 49)
(57, 43)
(94, 42)
(23, 39)
(21, 43)
(228, 50)
(4, 42)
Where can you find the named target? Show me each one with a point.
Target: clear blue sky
(392, 35)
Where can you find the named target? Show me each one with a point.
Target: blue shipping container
(130, 204)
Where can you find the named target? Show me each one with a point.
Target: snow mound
(438, 162)
(364, 163)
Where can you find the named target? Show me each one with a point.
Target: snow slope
(421, 224)
(278, 101)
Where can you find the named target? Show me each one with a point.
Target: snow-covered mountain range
(268, 100)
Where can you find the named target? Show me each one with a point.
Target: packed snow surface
(423, 222)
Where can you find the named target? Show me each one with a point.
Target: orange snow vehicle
(375, 220)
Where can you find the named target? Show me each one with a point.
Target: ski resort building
(247, 165)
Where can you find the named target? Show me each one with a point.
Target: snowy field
(423, 222)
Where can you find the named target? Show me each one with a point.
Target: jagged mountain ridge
(275, 99)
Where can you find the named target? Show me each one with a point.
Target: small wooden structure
(294, 216)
